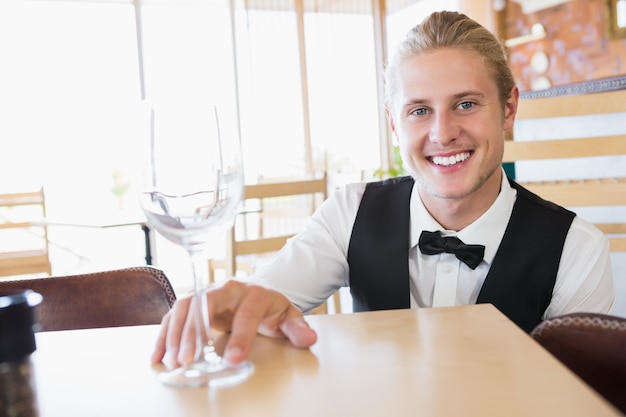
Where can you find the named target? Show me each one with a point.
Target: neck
(458, 213)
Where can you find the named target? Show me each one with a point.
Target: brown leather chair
(123, 297)
(593, 346)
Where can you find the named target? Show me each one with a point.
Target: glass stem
(200, 269)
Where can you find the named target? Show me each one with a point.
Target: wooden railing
(584, 188)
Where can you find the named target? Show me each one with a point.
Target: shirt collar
(487, 230)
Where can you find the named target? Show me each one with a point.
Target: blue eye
(419, 112)
(466, 105)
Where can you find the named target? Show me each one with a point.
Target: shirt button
(447, 269)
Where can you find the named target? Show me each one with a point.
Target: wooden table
(457, 361)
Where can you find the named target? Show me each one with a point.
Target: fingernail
(233, 355)
(169, 359)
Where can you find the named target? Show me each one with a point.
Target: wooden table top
(454, 361)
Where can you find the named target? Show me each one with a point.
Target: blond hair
(447, 29)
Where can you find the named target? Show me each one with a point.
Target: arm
(585, 278)
(313, 264)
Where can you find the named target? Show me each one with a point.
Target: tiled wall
(578, 43)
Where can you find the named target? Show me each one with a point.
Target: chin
(446, 192)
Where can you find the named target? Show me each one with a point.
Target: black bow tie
(432, 243)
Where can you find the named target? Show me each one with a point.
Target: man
(456, 232)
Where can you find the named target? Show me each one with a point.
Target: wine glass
(192, 187)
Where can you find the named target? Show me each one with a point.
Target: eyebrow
(468, 94)
(457, 96)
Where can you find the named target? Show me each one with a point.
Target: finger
(174, 329)
(159, 347)
(188, 341)
(263, 311)
(250, 306)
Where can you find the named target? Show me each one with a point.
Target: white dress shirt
(313, 264)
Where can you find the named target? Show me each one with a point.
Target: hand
(238, 308)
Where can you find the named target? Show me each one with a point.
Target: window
(65, 82)
(343, 102)
(271, 100)
(295, 78)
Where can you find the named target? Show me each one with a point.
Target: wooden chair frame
(580, 192)
(26, 261)
(264, 245)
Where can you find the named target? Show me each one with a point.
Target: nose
(443, 129)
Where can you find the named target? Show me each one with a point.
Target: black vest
(519, 283)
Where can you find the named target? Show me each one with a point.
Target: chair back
(280, 205)
(300, 198)
(123, 297)
(571, 150)
(593, 346)
(23, 235)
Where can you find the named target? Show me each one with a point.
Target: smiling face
(449, 121)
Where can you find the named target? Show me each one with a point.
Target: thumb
(298, 331)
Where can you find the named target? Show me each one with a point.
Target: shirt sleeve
(313, 264)
(585, 279)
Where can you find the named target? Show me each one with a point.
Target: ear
(510, 108)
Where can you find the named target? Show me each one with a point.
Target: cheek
(408, 135)
(500, 149)
(410, 154)
(495, 149)
(409, 141)
(407, 144)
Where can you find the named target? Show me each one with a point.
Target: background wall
(579, 48)
(578, 43)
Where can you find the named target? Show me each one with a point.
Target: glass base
(216, 373)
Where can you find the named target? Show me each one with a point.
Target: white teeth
(450, 160)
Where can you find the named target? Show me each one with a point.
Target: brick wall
(578, 43)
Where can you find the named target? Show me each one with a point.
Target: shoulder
(581, 230)
(391, 182)
(549, 206)
(348, 196)
(338, 212)
(585, 234)
(346, 200)
(390, 189)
